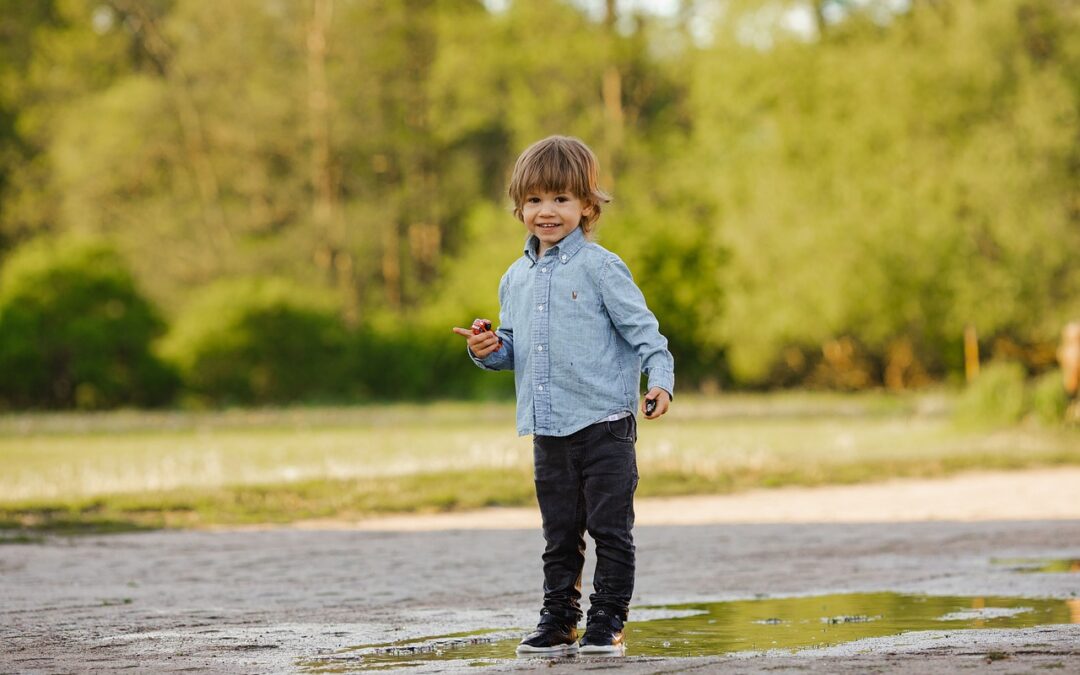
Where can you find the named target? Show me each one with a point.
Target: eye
(562, 199)
(532, 200)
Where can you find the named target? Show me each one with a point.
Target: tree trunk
(611, 94)
(332, 252)
(191, 128)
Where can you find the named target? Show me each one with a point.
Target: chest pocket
(584, 310)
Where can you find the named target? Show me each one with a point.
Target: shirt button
(539, 348)
(540, 307)
(540, 387)
(564, 258)
(543, 269)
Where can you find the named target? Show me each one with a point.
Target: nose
(547, 208)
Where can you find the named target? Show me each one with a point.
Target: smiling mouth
(547, 226)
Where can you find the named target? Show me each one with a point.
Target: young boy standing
(577, 333)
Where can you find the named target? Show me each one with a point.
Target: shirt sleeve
(626, 306)
(503, 357)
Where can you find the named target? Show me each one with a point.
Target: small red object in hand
(479, 327)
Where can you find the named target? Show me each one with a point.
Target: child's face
(553, 215)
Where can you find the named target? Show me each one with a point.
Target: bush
(996, 397)
(261, 341)
(1049, 401)
(422, 361)
(76, 332)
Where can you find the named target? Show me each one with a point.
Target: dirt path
(269, 601)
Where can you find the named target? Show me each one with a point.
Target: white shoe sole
(615, 650)
(547, 651)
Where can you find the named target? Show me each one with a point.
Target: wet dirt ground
(274, 600)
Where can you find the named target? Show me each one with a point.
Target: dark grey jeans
(586, 482)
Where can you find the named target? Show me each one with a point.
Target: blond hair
(558, 164)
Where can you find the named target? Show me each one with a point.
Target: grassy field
(128, 470)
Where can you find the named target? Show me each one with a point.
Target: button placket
(541, 370)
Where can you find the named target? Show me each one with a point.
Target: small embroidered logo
(573, 294)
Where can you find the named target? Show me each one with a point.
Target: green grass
(105, 472)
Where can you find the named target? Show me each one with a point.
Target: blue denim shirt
(577, 334)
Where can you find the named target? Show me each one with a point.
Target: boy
(577, 334)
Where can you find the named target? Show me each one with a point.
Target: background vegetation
(82, 471)
(260, 201)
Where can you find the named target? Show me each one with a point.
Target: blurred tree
(18, 23)
(812, 191)
(261, 341)
(53, 53)
(76, 332)
(895, 182)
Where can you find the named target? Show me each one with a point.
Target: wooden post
(971, 353)
(1069, 357)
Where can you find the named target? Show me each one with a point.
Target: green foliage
(997, 397)
(417, 361)
(260, 341)
(55, 53)
(1049, 400)
(76, 332)
(1001, 395)
(929, 195)
(882, 178)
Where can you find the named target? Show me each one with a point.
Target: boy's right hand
(481, 343)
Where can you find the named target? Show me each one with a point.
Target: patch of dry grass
(125, 470)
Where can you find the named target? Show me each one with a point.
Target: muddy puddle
(1040, 565)
(708, 629)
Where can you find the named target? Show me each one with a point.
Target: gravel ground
(264, 601)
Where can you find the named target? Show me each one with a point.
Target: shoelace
(549, 620)
(601, 624)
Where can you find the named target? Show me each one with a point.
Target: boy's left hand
(663, 402)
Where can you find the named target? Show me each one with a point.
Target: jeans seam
(611, 433)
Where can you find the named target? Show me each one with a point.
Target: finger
(481, 350)
(462, 331)
(660, 395)
(662, 401)
(488, 346)
(480, 343)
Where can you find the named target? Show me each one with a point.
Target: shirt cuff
(664, 379)
(483, 362)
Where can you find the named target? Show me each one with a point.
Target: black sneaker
(553, 635)
(603, 634)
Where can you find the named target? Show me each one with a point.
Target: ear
(588, 210)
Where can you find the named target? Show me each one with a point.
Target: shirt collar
(565, 249)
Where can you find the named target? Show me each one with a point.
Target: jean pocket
(624, 430)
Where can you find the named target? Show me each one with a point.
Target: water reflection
(705, 629)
